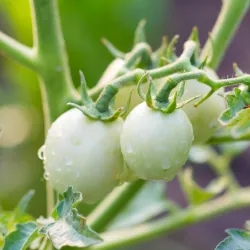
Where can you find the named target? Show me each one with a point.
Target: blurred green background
(84, 23)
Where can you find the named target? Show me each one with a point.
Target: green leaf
(21, 237)
(237, 116)
(235, 103)
(194, 193)
(149, 202)
(69, 227)
(9, 219)
(237, 240)
(23, 204)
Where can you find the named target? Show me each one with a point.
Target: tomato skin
(204, 117)
(156, 145)
(85, 154)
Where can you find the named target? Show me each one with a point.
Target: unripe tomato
(204, 117)
(156, 145)
(85, 154)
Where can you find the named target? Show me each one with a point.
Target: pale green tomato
(156, 145)
(204, 118)
(85, 154)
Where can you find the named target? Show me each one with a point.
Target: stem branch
(17, 51)
(180, 219)
(230, 17)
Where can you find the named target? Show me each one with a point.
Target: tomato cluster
(95, 156)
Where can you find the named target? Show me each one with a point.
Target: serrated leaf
(69, 227)
(237, 240)
(21, 237)
(235, 103)
(194, 193)
(237, 116)
(149, 202)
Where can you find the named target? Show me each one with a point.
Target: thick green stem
(55, 80)
(107, 211)
(180, 219)
(230, 17)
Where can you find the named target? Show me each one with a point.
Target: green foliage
(21, 237)
(148, 202)
(194, 193)
(237, 116)
(69, 227)
(9, 219)
(237, 240)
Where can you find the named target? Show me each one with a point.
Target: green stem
(17, 51)
(180, 219)
(107, 211)
(56, 85)
(221, 165)
(230, 17)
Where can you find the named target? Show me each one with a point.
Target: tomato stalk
(228, 21)
(180, 219)
(107, 211)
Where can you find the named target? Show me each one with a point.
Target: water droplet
(58, 134)
(129, 149)
(77, 174)
(59, 169)
(76, 141)
(68, 162)
(46, 175)
(41, 153)
(165, 165)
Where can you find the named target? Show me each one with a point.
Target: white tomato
(204, 117)
(85, 154)
(155, 145)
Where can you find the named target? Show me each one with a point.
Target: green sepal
(204, 98)
(86, 100)
(149, 98)
(172, 105)
(139, 89)
(203, 64)
(92, 113)
(171, 56)
(237, 70)
(194, 36)
(195, 194)
(237, 239)
(211, 52)
(140, 35)
(159, 57)
(182, 104)
(112, 49)
(126, 108)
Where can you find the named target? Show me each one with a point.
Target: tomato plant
(92, 155)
